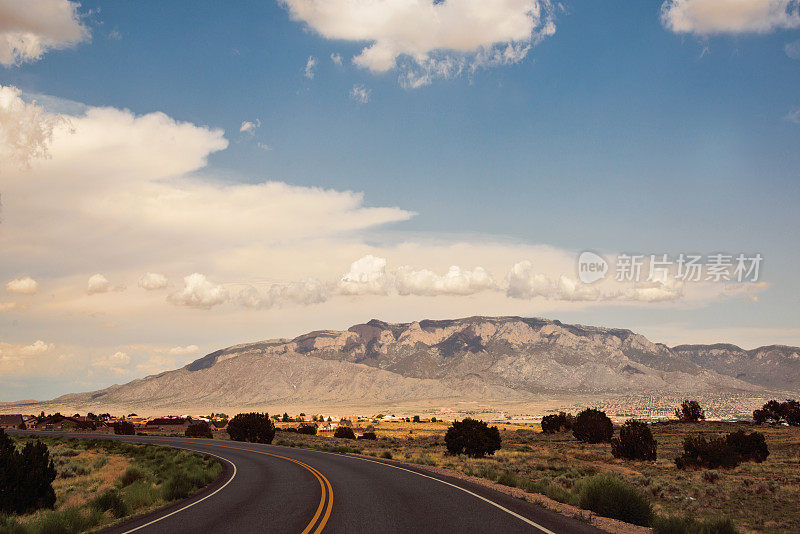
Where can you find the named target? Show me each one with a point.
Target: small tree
(472, 437)
(751, 447)
(368, 435)
(199, 430)
(26, 477)
(285, 418)
(708, 453)
(433, 419)
(124, 428)
(635, 442)
(592, 426)
(344, 432)
(556, 423)
(310, 430)
(690, 412)
(415, 419)
(253, 427)
(779, 412)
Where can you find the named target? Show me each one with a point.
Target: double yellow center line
(324, 484)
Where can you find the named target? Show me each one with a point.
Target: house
(10, 421)
(218, 424)
(61, 422)
(168, 424)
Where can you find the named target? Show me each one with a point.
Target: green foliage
(433, 419)
(387, 455)
(344, 432)
(368, 435)
(177, 487)
(125, 428)
(131, 475)
(110, 501)
(635, 442)
(472, 437)
(26, 477)
(310, 430)
(415, 419)
(690, 412)
(254, 427)
(592, 426)
(779, 412)
(690, 525)
(707, 453)
(609, 496)
(199, 430)
(751, 447)
(557, 422)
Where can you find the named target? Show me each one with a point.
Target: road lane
(283, 489)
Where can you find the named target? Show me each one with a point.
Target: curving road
(268, 488)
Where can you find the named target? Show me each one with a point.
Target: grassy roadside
(102, 482)
(757, 497)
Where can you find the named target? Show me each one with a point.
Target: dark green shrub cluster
(557, 422)
(110, 501)
(707, 453)
(310, 430)
(690, 412)
(779, 412)
(751, 447)
(635, 442)
(368, 435)
(609, 496)
(131, 475)
(199, 430)
(254, 427)
(690, 525)
(344, 432)
(472, 437)
(26, 477)
(592, 426)
(125, 428)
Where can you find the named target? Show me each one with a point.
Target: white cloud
(114, 363)
(793, 116)
(25, 129)
(707, 17)
(523, 283)
(304, 292)
(426, 39)
(366, 276)
(183, 351)
(455, 282)
(360, 94)
(155, 364)
(16, 359)
(198, 292)
(336, 58)
(25, 285)
(309, 70)
(97, 284)
(29, 29)
(263, 146)
(249, 127)
(153, 281)
(7, 306)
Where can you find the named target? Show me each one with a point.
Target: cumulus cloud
(309, 70)
(426, 39)
(524, 283)
(305, 292)
(360, 94)
(25, 129)
(16, 358)
(793, 116)
(153, 281)
(366, 276)
(25, 285)
(29, 29)
(707, 17)
(183, 351)
(113, 363)
(155, 364)
(97, 284)
(7, 306)
(198, 292)
(456, 281)
(336, 58)
(249, 127)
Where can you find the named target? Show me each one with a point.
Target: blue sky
(616, 133)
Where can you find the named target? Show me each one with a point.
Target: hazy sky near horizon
(178, 180)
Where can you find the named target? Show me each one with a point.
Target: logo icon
(591, 267)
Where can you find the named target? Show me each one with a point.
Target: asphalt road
(268, 488)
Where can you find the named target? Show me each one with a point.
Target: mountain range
(491, 361)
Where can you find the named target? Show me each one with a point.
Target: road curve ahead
(268, 488)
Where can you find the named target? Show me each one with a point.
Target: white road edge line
(501, 507)
(195, 502)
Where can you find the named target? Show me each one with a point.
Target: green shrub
(254, 427)
(751, 447)
(26, 476)
(690, 412)
(110, 501)
(609, 496)
(199, 430)
(387, 455)
(690, 525)
(635, 442)
(472, 437)
(131, 475)
(592, 426)
(344, 432)
(368, 435)
(710, 454)
(125, 428)
(177, 487)
(139, 494)
(776, 412)
(507, 478)
(557, 422)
